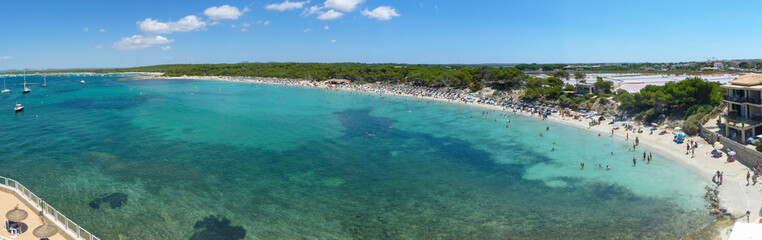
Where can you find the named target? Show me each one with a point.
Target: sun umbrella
(719, 146)
(731, 153)
(16, 214)
(678, 128)
(654, 124)
(665, 125)
(45, 230)
(715, 144)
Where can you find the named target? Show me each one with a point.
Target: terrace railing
(36, 202)
(743, 99)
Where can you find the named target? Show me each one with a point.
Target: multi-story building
(743, 116)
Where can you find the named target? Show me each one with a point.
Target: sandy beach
(736, 197)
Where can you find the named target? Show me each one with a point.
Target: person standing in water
(634, 161)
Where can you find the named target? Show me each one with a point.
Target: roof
(750, 79)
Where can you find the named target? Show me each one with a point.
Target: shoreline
(734, 196)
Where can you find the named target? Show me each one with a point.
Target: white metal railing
(40, 205)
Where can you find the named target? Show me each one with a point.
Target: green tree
(603, 86)
(579, 76)
(561, 74)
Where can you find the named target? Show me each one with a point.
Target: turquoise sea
(188, 159)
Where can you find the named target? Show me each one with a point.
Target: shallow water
(265, 162)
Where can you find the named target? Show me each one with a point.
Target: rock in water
(114, 200)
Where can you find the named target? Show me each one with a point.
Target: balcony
(742, 99)
(742, 122)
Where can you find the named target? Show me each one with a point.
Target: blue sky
(67, 34)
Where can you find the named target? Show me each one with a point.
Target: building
(585, 88)
(743, 99)
(718, 65)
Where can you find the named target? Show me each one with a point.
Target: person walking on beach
(627, 137)
(687, 149)
(748, 175)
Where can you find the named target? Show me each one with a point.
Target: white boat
(18, 107)
(5, 90)
(44, 82)
(82, 82)
(26, 89)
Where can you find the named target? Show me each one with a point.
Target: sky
(126, 33)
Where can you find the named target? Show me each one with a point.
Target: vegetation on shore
(457, 76)
(692, 98)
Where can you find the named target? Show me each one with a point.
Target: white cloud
(311, 10)
(382, 13)
(307, 30)
(87, 29)
(246, 25)
(330, 15)
(286, 6)
(166, 48)
(99, 46)
(342, 5)
(266, 23)
(224, 12)
(326, 27)
(333, 41)
(5, 57)
(101, 30)
(232, 25)
(186, 24)
(140, 42)
(259, 22)
(244, 29)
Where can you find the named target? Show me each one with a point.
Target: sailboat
(44, 81)
(5, 90)
(26, 89)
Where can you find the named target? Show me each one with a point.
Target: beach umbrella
(654, 124)
(731, 153)
(678, 128)
(719, 146)
(715, 144)
(16, 214)
(45, 230)
(665, 125)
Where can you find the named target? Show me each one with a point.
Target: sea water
(238, 160)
